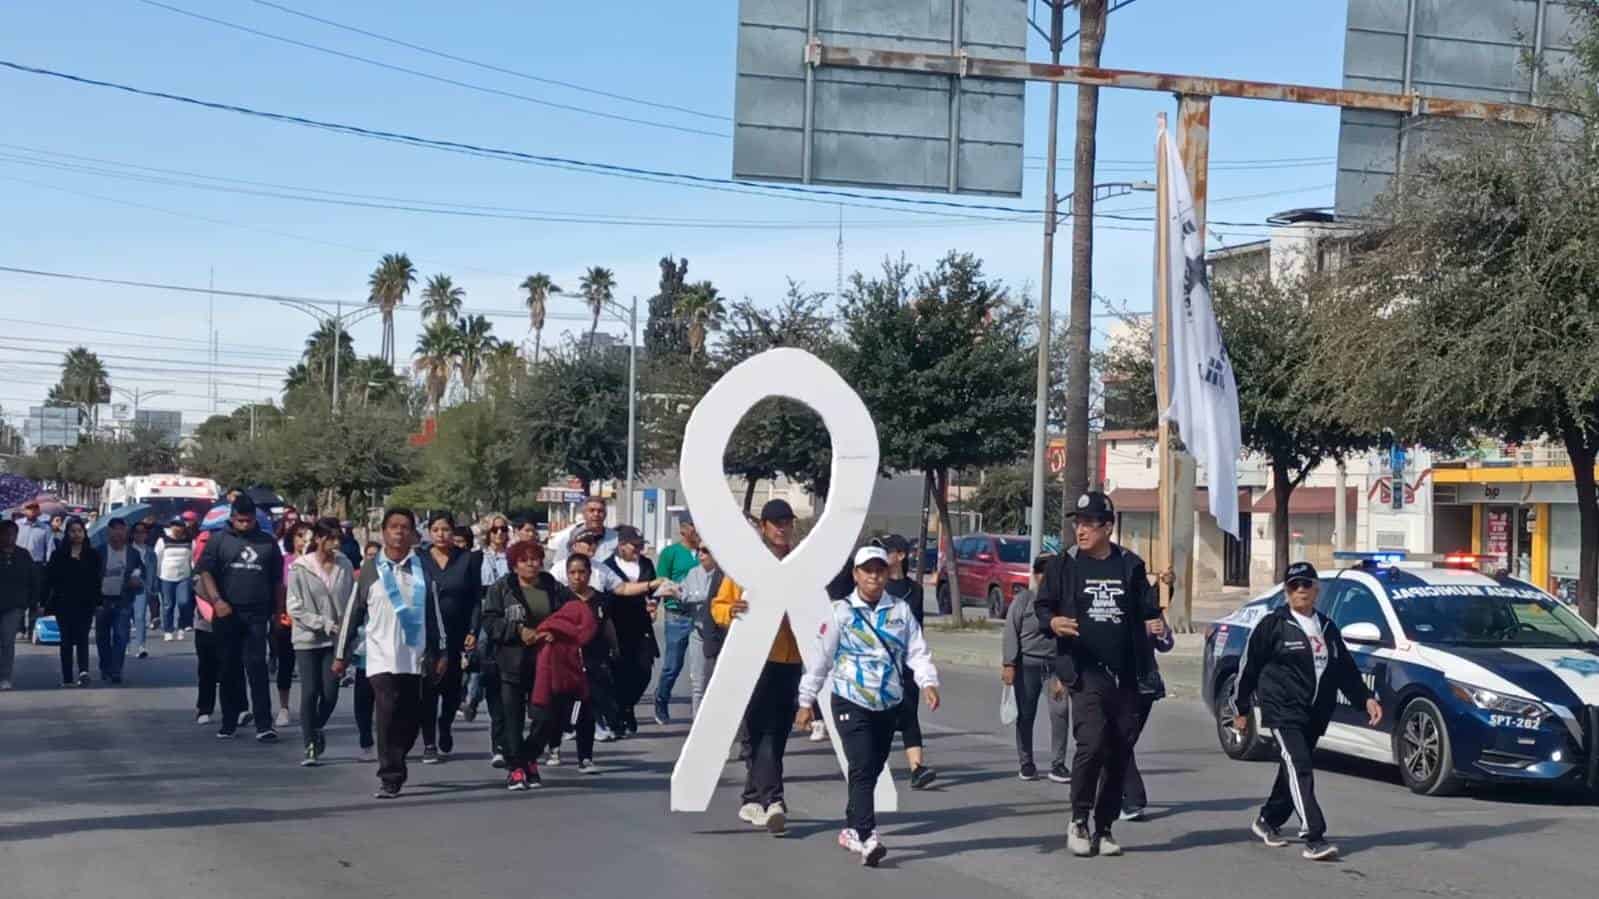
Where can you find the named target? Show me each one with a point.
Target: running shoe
(533, 779)
(1269, 835)
(849, 840)
(430, 755)
(283, 718)
(752, 813)
(1078, 841)
(1028, 771)
(1060, 774)
(267, 736)
(777, 820)
(922, 777)
(310, 756)
(1105, 845)
(818, 732)
(1132, 814)
(516, 781)
(498, 761)
(587, 766)
(1320, 851)
(872, 851)
(387, 791)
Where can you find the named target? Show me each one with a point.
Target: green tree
(701, 310)
(437, 348)
(599, 287)
(503, 369)
(945, 367)
(387, 285)
(148, 449)
(665, 334)
(441, 299)
(1005, 495)
(474, 341)
(574, 413)
(476, 462)
(85, 383)
(539, 289)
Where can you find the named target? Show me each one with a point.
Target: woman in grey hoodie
(319, 585)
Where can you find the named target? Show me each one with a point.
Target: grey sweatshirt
(316, 610)
(1024, 641)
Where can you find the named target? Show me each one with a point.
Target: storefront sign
(1498, 542)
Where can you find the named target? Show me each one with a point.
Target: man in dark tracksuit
(1094, 602)
(241, 575)
(1296, 663)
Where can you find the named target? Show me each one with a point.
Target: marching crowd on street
(557, 638)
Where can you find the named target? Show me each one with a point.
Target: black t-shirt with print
(1098, 590)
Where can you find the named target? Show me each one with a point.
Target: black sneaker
(1269, 835)
(1060, 774)
(224, 735)
(922, 777)
(1029, 771)
(498, 761)
(387, 791)
(446, 743)
(1320, 851)
(1132, 814)
(321, 741)
(246, 719)
(430, 755)
(267, 736)
(310, 756)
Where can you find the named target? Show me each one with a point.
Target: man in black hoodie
(1297, 664)
(1094, 601)
(241, 574)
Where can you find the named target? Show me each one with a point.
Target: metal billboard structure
(1474, 50)
(797, 121)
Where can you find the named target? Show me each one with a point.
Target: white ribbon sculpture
(795, 586)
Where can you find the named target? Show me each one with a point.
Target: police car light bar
(1375, 557)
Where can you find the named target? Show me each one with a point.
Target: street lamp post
(138, 395)
(341, 320)
(1109, 190)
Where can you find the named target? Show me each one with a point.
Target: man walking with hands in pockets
(1296, 664)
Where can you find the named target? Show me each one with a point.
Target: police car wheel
(996, 603)
(1243, 746)
(1422, 749)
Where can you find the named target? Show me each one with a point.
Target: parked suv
(992, 569)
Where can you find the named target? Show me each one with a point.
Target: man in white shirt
(404, 643)
(559, 544)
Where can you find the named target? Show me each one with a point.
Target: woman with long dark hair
(296, 538)
(319, 585)
(73, 577)
(456, 575)
(634, 617)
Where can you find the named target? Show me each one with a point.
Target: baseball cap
(176, 520)
(868, 554)
(777, 510)
(1300, 571)
(585, 536)
(1094, 504)
(685, 518)
(894, 543)
(629, 534)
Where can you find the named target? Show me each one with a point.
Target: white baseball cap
(870, 554)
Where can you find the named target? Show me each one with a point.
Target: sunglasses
(1300, 584)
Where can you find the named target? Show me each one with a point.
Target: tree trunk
(921, 539)
(1282, 487)
(538, 338)
(749, 492)
(940, 478)
(1089, 43)
(1582, 453)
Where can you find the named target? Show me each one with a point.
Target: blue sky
(680, 54)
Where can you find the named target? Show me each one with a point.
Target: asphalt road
(114, 792)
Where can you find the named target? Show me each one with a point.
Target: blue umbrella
(217, 518)
(127, 514)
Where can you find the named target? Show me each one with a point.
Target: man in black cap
(770, 714)
(1297, 664)
(1094, 600)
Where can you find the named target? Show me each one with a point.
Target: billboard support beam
(1194, 85)
(1046, 324)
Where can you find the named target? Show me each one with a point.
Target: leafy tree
(665, 334)
(441, 299)
(85, 383)
(93, 462)
(539, 289)
(474, 341)
(503, 368)
(149, 449)
(371, 381)
(437, 348)
(945, 367)
(477, 461)
(388, 285)
(599, 287)
(1005, 495)
(700, 308)
(574, 413)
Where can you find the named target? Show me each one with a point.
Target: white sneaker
(202, 720)
(5, 685)
(1078, 841)
(187, 630)
(849, 840)
(872, 851)
(367, 755)
(283, 718)
(553, 760)
(752, 813)
(776, 820)
(166, 637)
(602, 734)
(818, 732)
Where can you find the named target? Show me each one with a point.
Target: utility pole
(632, 407)
(1090, 41)
(1035, 522)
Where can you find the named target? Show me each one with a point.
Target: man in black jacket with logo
(1094, 602)
(1296, 663)
(241, 575)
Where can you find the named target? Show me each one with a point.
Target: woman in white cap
(869, 638)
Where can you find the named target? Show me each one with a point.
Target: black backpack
(712, 634)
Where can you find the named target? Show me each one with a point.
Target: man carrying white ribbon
(864, 645)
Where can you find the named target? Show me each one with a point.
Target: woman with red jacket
(561, 681)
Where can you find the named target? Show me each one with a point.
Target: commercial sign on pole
(795, 120)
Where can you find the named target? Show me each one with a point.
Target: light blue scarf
(408, 612)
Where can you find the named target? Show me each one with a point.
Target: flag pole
(1163, 546)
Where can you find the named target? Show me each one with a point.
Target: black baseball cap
(776, 511)
(586, 536)
(894, 543)
(1301, 571)
(629, 534)
(1094, 504)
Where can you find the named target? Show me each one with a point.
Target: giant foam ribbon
(796, 585)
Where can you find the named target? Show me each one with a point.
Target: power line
(481, 88)
(229, 368)
(236, 348)
(494, 68)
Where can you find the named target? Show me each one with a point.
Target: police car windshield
(1470, 615)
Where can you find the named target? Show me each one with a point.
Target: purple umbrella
(16, 490)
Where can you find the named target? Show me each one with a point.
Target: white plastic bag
(1007, 705)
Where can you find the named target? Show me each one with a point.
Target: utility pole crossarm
(1194, 85)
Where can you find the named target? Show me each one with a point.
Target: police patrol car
(1481, 678)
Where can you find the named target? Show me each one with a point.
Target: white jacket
(864, 648)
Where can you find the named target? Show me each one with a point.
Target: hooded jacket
(21, 580)
(560, 672)
(1279, 673)
(315, 609)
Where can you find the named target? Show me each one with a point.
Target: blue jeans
(177, 605)
(679, 627)
(111, 635)
(139, 618)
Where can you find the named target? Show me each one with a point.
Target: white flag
(1204, 394)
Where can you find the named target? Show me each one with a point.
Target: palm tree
(318, 354)
(85, 383)
(474, 341)
(598, 286)
(539, 288)
(442, 299)
(371, 378)
(502, 365)
(436, 350)
(701, 308)
(388, 285)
